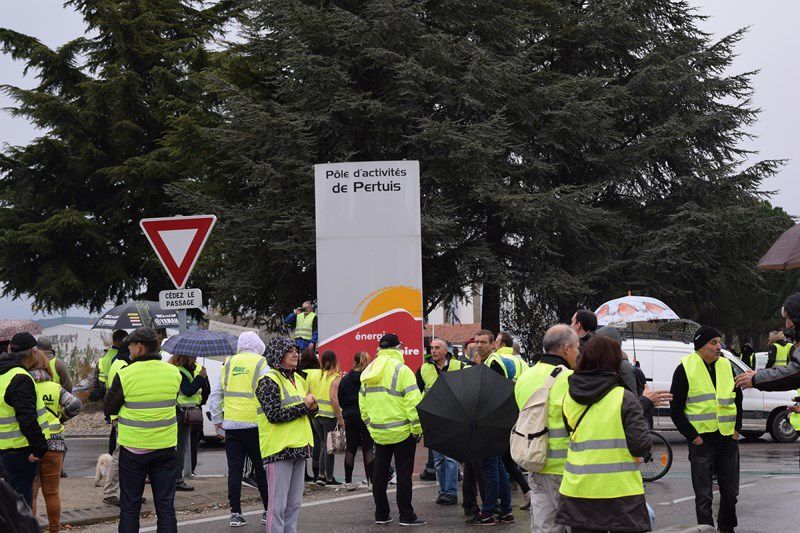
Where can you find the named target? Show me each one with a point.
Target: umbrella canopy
(469, 414)
(785, 253)
(633, 309)
(8, 328)
(136, 314)
(201, 343)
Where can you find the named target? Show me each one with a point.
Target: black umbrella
(135, 314)
(469, 414)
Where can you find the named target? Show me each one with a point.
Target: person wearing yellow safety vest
(304, 321)
(193, 394)
(601, 489)
(233, 407)
(445, 467)
(495, 475)
(144, 395)
(388, 402)
(560, 346)
(504, 347)
(111, 485)
(101, 384)
(323, 383)
(60, 406)
(58, 369)
(285, 434)
(707, 410)
(23, 417)
(779, 350)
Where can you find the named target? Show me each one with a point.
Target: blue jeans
(19, 472)
(446, 474)
(496, 479)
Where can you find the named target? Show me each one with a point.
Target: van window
(738, 366)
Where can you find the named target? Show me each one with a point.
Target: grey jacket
(780, 378)
(628, 513)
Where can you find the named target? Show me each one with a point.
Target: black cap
(389, 340)
(703, 335)
(22, 342)
(145, 335)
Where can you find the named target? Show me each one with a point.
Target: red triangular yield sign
(178, 242)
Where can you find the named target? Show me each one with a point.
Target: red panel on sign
(193, 243)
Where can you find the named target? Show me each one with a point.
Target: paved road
(769, 491)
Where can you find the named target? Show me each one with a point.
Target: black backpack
(15, 515)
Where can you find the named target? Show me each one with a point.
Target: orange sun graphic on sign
(389, 298)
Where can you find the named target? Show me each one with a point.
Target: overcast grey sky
(770, 46)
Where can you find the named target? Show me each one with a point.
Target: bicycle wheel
(657, 463)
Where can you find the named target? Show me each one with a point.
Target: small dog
(102, 468)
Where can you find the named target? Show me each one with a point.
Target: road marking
(687, 498)
(307, 504)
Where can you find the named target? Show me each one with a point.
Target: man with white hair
(234, 409)
(560, 346)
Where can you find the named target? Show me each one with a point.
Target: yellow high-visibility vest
(782, 352)
(599, 465)
(50, 393)
(104, 364)
(195, 399)
(11, 437)
(238, 379)
(274, 438)
(429, 374)
(147, 418)
(304, 325)
(708, 408)
(319, 384)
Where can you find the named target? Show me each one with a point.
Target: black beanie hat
(703, 335)
(792, 309)
(22, 342)
(389, 340)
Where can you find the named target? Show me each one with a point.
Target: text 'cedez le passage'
(357, 185)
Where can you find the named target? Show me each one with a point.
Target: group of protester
(35, 401)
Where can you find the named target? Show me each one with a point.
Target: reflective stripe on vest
(147, 417)
(304, 326)
(274, 438)
(104, 364)
(557, 436)
(599, 464)
(429, 373)
(56, 377)
(782, 352)
(50, 393)
(238, 380)
(195, 399)
(10, 435)
(709, 409)
(319, 384)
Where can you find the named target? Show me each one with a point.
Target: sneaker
(365, 484)
(309, 479)
(527, 505)
(471, 511)
(412, 523)
(264, 517)
(320, 481)
(237, 520)
(332, 481)
(382, 521)
(427, 475)
(481, 520)
(111, 500)
(181, 485)
(393, 481)
(63, 474)
(449, 499)
(351, 486)
(507, 518)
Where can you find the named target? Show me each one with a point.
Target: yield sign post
(178, 242)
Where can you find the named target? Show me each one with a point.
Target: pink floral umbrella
(8, 328)
(633, 309)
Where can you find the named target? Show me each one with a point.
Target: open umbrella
(633, 309)
(136, 314)
(785, 253)
(9, 328)
(469, 414)
(201, 343)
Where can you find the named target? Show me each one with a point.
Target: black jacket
(199, 383)
(21, 395)
(680, 389)
(348, 394)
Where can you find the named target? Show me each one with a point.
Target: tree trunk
(490, 307)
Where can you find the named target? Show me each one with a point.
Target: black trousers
(197, 433)
(514, 473)
(720, 456)
(472, 485)
(241, 443)
(133, 469)
(403, 453)
(112, 439)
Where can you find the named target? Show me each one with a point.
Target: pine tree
(73, 196)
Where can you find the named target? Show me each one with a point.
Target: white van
(764, 412)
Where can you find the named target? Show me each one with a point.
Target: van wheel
(780, 428)
(752, 435)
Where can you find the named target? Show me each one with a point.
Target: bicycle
(658, 460)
